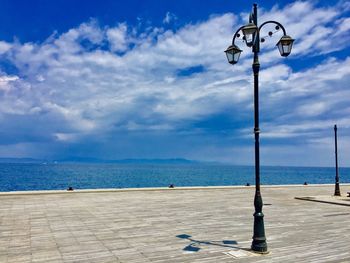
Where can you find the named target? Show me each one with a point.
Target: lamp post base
(260, 248)
(337, 190)
(259, 244)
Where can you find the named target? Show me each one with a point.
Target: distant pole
(337, 190)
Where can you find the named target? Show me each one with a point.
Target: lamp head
(232, 53)
(249, 31)
(285, 45)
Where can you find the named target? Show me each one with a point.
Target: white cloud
(4, 47)
(117, 38)
(94, 81)
(169, 17)
(66, 137)
(316, 30)
(6, 80)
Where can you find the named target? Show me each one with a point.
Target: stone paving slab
(172, 225)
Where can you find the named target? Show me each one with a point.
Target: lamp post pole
(259, 240)
(251, 33)
(337, 189)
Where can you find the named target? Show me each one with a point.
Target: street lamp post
(251, 36)
(337, 189)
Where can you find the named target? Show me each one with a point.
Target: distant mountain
(21, 160)
(129, 161)
(156, 161)
(96, 160)
(81, 160)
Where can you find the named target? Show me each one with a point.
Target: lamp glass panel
(249, 38)
(280, 48)
(236, 56)
(229, 55)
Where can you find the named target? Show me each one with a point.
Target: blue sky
(149, 79)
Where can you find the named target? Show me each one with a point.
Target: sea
(60, 176)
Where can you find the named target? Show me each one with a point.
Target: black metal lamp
(232, 54)
(285, 45)
(249, 32)
(251, 35)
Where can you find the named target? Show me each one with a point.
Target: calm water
(14, 177)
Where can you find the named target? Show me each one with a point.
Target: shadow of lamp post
(251, 36)
(337, 189)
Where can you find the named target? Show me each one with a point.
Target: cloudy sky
(149, 79)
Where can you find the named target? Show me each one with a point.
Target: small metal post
(337, 189)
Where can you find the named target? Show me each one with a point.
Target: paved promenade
(173, 225)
